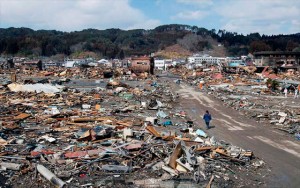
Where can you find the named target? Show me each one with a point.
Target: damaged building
(277, 58)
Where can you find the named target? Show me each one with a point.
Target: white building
(159, 64)
(104, 63)
(50, 64)
(163, 64)
(174, 63)
(69, 63)
(168, 63)
(199, 60)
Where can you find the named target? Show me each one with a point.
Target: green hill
(116, 43)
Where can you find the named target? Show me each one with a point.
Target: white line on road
(292, 144)
(196, 95)
(228, 125)
(235, 128)
(231, 118)
(277, 132)
(185, 95)
(278, 146)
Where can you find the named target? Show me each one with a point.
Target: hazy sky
(242, 16)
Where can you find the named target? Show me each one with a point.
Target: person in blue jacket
(207, 118)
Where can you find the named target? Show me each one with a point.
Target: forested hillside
(116, 43)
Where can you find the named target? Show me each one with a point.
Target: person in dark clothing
(207, 119)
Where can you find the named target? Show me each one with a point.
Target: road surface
(278, 150)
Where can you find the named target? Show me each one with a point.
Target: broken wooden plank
(183, 139)
(80, 120)
(3, 142)
(123, 123)
(22, 116)
(204, 148)
(105, 118)
(222, 152)
(175, 155)
(152, 130)
(210, 181)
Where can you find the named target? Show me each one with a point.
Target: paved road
(276, 149)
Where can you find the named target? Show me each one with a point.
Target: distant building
(69, 63)
(178, 62)
(168, 63)
(116, 63)
(199, 60)
(125, 63)
(36, 63)
(276, 58)
(159, 64)
(163, 64)
(104, 63)
(142, 64)
(236, 63)
(51, 64)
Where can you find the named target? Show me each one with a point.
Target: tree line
(117, 43)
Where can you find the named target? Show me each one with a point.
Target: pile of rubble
(131, 134)
(27, 73)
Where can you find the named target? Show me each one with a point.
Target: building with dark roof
(277, 58)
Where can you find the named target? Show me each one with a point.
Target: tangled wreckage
(122, 134)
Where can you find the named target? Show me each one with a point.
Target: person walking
(207, 119)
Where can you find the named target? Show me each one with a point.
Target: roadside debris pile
(121, 136)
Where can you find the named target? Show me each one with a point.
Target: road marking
(223, 120)
(229, 126)
(278, 146)
(235, 128)
(250, 137)
(280, 133)
(293, 144)
(231, 118)
(185, 95)
(195, 94)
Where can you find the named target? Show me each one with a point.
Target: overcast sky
(241, 16)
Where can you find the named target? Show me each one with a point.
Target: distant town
(282, 61)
